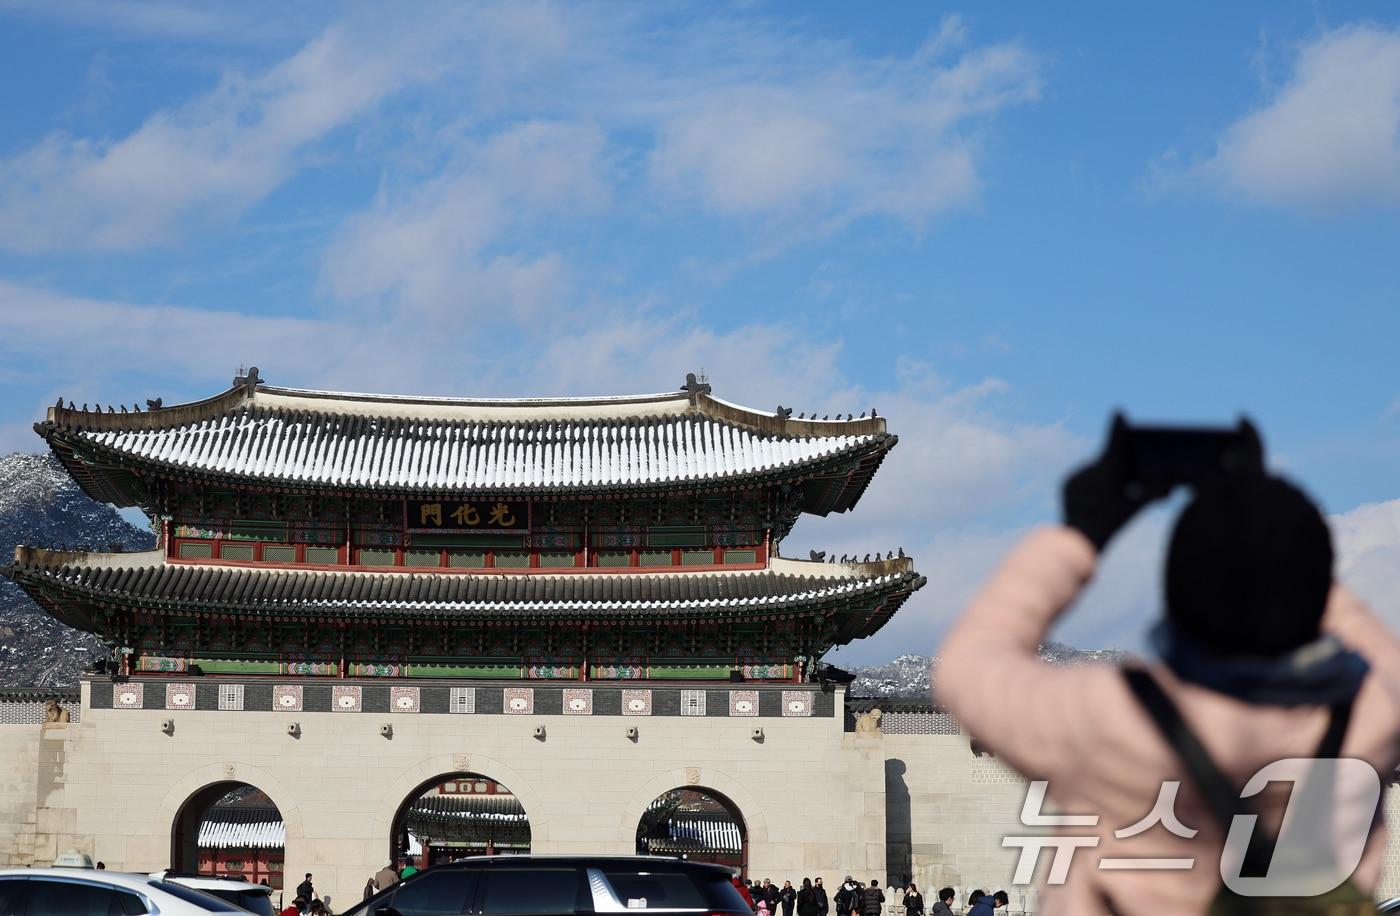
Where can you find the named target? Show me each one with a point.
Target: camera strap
(1221, 796)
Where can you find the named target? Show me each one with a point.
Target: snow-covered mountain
(908, 675)
(40, 505)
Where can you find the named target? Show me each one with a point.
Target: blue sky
(993, 223)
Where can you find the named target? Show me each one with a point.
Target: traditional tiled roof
(72, 585)
(297, 440)
(469, 817)
(697, 835)
(242, 828)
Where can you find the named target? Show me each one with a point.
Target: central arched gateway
(695, 823)
(456, 815)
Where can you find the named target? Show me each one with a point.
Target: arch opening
(456, 815)
(695, 823)
(230, 829)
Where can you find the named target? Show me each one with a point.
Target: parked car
(255, 898)
(88, 892)
(561, 886)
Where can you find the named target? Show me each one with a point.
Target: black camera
(1163, 456)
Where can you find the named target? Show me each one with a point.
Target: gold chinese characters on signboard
(471, 515)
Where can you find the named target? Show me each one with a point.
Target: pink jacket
(1081, 729)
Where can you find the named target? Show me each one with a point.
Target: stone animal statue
(869, 723)
(53, 712)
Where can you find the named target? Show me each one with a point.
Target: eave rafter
(849, 606)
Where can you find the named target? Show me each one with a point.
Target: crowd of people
(307, 903)
(854, 898)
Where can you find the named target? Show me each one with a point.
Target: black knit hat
(1249, 568)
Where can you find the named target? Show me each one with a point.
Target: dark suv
(562, 886)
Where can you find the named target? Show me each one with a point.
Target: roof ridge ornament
(248, 381)
(696, 386)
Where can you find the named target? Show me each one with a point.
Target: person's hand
(1102, 496)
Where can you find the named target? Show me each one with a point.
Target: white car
(255, 898)
(92, 892)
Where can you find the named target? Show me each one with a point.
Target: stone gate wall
(812, 795)
(817, 798)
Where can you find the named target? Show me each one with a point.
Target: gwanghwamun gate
(377, 625)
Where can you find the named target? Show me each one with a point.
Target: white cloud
(805, 128)
(435, 251)
(1367, 541)
(225, 150)
(1329, 136)
(787, 134)
(89, 340)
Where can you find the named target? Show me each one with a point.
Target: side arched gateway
(696, 823)
(229, 828)
(455, 815)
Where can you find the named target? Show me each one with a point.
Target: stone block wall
(19, 768)
(948, 810)
(812, 796)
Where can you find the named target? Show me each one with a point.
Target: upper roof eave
(391, 406)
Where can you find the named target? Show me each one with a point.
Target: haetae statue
(53, 712)
(869, 723)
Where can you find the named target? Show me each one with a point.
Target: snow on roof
(428, 455)
(256, 834)
(146, 576)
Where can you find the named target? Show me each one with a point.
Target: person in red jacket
(743, 891)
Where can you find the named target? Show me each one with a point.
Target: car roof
(586, 861)
(98, 875)
(220, 881)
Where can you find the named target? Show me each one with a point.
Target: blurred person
(872, 899)
(845, 899)
(819, 893)
(1262, 657)
(743, 888)
(787, 897)
(386, 876)
(943, 906)
(913, 901)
